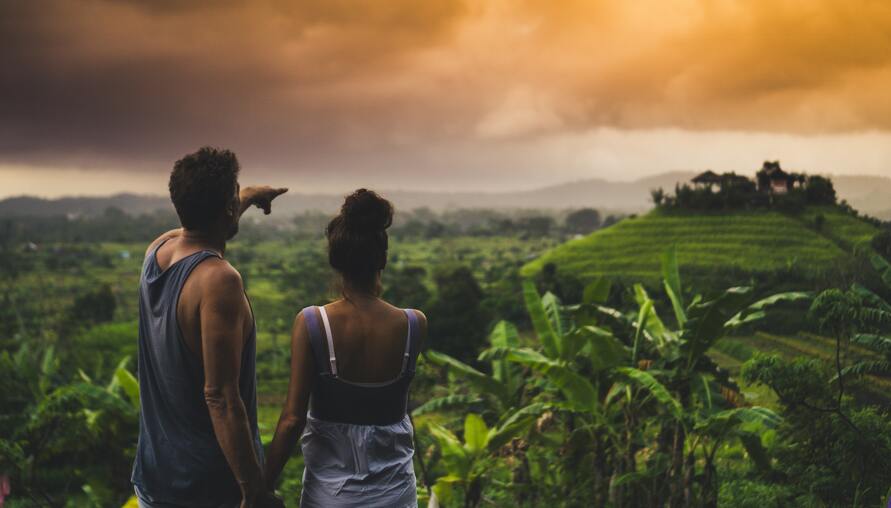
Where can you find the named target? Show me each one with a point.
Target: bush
(742, 493)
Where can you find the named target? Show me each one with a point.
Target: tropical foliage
(605, 407)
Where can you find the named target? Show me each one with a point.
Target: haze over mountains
(869, 194)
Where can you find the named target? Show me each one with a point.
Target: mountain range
(869, 194)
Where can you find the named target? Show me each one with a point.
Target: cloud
(346, 84)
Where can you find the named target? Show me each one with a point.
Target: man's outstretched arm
(224, 316)
(259, 196)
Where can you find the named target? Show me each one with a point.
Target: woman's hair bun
(365, 210)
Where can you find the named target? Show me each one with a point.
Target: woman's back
(352, 362)
(358, 444)
(369, 341)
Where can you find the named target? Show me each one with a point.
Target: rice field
(752, 241)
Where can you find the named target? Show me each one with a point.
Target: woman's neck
(360, 296)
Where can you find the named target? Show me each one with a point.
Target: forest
(680, 358)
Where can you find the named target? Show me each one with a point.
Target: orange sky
(102, 95)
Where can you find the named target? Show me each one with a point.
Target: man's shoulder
(216, 275)
(161, 239)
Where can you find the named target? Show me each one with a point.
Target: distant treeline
(114, 225)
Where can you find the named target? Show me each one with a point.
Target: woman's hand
(260, 196)
(262, 500)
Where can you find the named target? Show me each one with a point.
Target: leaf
(883, 267)
(639, 329)
(129, 384)
(756, 310)
(539, 319)
(454, 455)
(475, 378)
(752, 443)
(606, 351)
(869, 298)
(863, 367)
(706, 322)
(877, 343)
(476, 433)
(551, 305)
(516, 424)
(656, 389)
(723, 421)
(653, 323)
(133, 502)
(446, 402)
(577, 390)
(671, 278)
(597, 291)
(504, 335)
(737, 320)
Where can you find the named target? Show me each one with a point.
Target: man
(198, 440)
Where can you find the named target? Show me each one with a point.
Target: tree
(94, 307)
(882, 243)
(657, 196)
(405, 287)
(583, 221)
(819, 190)
(458, 324)
(535, 226)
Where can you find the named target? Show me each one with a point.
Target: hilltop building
(770, 179)
(771, 187)
(711, 179)
(773, 180)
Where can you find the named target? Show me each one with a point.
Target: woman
(352, 361)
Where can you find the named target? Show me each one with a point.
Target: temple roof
(708, 177)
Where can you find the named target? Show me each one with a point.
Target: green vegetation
(585, 373)
(744, 242)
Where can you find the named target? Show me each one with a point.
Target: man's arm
(259, 196)
(293, 417)
(223, 314)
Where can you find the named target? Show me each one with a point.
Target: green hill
(746, 241)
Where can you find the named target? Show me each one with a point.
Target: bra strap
(409, 359)
(332, 360)
(311, 316)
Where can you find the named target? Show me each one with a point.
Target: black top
(337, 400)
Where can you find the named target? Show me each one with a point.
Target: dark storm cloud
(140, 80)
(384, 84)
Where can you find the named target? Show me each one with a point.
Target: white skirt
(349, 465)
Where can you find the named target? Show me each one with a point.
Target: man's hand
(260, 196)
(263, 500)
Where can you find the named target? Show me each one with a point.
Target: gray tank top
(178, 460)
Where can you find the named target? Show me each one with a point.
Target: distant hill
(871, 195)
(31, 206)
(747, 242)
(622, 197)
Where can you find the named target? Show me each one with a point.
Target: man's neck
(205, 239)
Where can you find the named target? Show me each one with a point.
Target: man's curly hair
(202, 184)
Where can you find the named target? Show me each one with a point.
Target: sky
(102, 96)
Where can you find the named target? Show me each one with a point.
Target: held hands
(263, 500)
(260, 196)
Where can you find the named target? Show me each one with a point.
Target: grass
(746, 241)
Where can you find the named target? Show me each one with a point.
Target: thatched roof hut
(708, 178)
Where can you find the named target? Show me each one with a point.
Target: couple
(351, 362)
